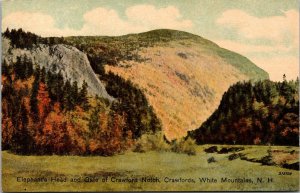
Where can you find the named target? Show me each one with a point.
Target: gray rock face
(71, 62)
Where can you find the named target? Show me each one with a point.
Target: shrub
(293, 166)
(186, 146)
(151, 142)
(211, 149)
(156, 142)
(225, 150)
(233, 156)
(211, 159)
(268, 160)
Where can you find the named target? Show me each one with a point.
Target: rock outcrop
(68, 60)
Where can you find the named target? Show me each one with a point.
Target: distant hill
(182, 75)
(262, 113)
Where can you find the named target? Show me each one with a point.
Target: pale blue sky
(266, 31)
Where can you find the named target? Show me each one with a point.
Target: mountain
(72, 63)
(262, 113)
(182, 75)
(46, 111)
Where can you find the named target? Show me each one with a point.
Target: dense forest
(264, 112)
(44, 114)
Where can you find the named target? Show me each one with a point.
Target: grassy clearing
(138, 165)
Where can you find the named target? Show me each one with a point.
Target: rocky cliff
(68, 60)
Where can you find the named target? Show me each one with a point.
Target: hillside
(69, 61)
(182, 75)
(262, 113)
(54, 103)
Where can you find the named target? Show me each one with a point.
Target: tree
(7, 33)
(43, 75)
(43, 101)
(54, 137)
(28, 67)
(284, 78)
(74, 94)
(67, 96)
(7, 126)
(22, 139)
(82, 98)
(19, 68)
(34, 93)
(94, 122)
(6, 69)
(272, 116)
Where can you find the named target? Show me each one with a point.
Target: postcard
(110, 95)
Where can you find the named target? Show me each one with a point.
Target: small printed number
(285, 173)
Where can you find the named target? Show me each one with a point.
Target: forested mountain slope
(262, 113)
(182, 75)
(53, 102)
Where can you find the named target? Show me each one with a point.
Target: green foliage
(22, 139)
(59, 90)
(265, 112)
(211, 160)
(157, 142)
(233, 156)
(82, 96)
(48, 122)
(151, 142)
(22, 125)
(21, 39)
(94, 121)
(140, 117)
(268, 160)
(248, 67)
(186, 146)
(23, 68)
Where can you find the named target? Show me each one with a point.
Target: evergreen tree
(34, 92)
(66, 96)
(43, 75)
(19, 69)
(22, 136)
(7, 33)
(28, 67)
(6, 70)
(94, 122)
(82, 98)
(74, 93)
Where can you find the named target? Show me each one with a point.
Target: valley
(182, 75)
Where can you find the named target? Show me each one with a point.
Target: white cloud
(102, 21)
(39, 23)
(149, 16)
(283, 31)
(275, 28)
(243, 48)
(277, 66)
